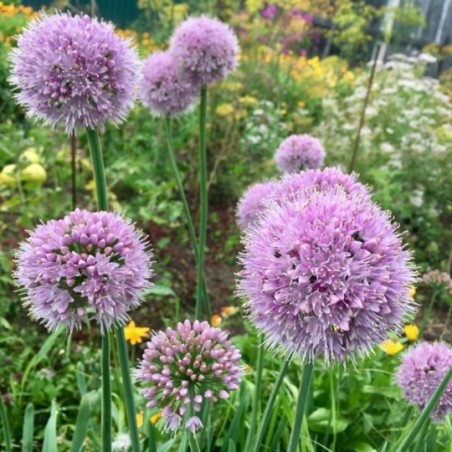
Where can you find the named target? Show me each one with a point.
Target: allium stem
(270, 404)
(203, 207)
(303, 393)
(128, 391)
(106, 394)
(102, 204)
(257, 393)
(425, 414)
(428, 313)
(191, 228)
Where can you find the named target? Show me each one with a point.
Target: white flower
(417, 198)
(121, 443)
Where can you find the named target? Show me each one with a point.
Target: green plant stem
(191, 228)
(425, 414)
(203, 212)
(428, 313)
(305, 385)
(270, 404)
(128, 390)
(5, 423)
(102, 204)
(194, 447)
(106, 394)
(257, 393)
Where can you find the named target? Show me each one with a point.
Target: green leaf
(5, 423)
(391, 392)
(27, 429)
(320, 419)
(82, 423)
(50, 434)
(161, 291)
(81, 380)
(360, 446)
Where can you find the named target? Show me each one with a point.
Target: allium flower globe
(253, 203)
(299, 152)
(164, 88)
(185, 366)
(206, 48)
(86, 265)
(74, 71)
(422, 370)
(292, 185)
(325, 275)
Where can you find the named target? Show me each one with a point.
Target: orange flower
(227, 311)
(215, 320)
(154, 419)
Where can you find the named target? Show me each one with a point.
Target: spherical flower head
(185, 366)
(74, 71)
(86, 265)
(293, 185)
(325, 275)
(253, 203)
(164, 88)
(206, 48)
(422, 370)
(299, 152)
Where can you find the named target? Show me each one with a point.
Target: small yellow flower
(139, 419)
(227, 311)
(248, 100)
(391, 347)
(215, 320)
(34, 173)
(411, 332)
(224, 110)
(135, 334)
(411, 291)
(301, 104)
(154, 419)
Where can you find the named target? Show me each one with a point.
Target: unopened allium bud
(74, 71)
(299, 152)
(86, 265)
(422, 370)
(206, 48)
(164, 87)
(185, 366)
(326, 275)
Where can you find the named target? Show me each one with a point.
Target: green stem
(106, 394)
(270, 404)
(6, 431)
(102, 204)
(423, 417)
(257, 394)
(302, 397)
(128, 390)
(194, 447)
(98, 169)
(427, 314)
(203, 212)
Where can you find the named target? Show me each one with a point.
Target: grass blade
(50, 434)
(81, 425)
(5, 423)
(28, 428)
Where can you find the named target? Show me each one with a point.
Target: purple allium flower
(325, 274)
(253, 203)
(185, 366)
(422, 370)
(74, 71)
(269, 12)
(291, 185)
(299, 152)
(206, 48)
(164, 88)
(86, 265)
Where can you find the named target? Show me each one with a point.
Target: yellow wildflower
(391, 347)
(227, 311)
(411, 332)
(135, 334)
(215, 320)
(248, 100)
(301, 104)
(411, 291)
(224, 110)
(139, 419)
(154, 419)
(34, 173)
(7, 176)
